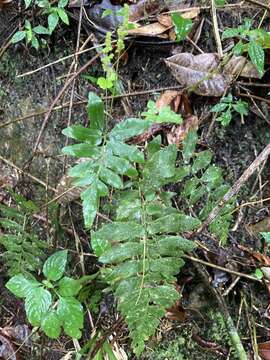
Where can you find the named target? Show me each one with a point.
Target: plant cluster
(54, 15)
(23, 250)
(251, 40)
(227, 106)
(51, 304)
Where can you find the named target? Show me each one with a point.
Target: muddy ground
(235, 147)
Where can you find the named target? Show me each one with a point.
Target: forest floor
(200, 332)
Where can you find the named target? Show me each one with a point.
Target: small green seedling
(226, 106)
(51, 304)
(54, 14)
(182, 26)
(251, 40)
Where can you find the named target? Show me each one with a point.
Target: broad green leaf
(212, 176)
(62, 3)
(63, 16)
(68, 287)
(238, 49)
(51, 325)
(120, 231)
(21, 286)
(18, 36)
(111, 178)
(121, 252)
(95, 110)
(162, 115)
(189, 145)
(90, 198)
(81, 150)
(241, 107)
(182, 26)
(229, 33)
(129, 152)
(70, 311)
(201, 161)
(160, 168)
(129, 128)
(173, 223)
(169, 244)
(256, 54)
(164, 295)
(37, 304)
(120, 165)
(219, 107)
(81, 133)
(52, 22)
(82, 169)
(54, 266)
(191, 186)
(167, 267)
(41, 30)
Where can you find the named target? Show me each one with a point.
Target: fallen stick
(236, 187)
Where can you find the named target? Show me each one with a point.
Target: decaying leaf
(166, 19)
(66, 191)
(264, 350)
(19, 333)
(178, 133)
(261, 226)
(204, 74)
(7, 349)
(266, 272)
(264, 259)
(154, 29)
(4, 3)
(198, 72)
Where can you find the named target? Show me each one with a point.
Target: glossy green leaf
(189, 145)
(95, 110)
(81, 150)
(120, 166)
(80, 133)
(90, 198)
(27, 3)
(241, 107)
(129, 152)
(129, 128)
(182, 26)
(173, 223)
(256, 54)
(37, 304)
(63, 16)
(62, 3)
(225, 118)
(69, 287)
(229, 33)
(52, 22)
(21, 286)
(266, 236)
(51, 325)
(18, 36)
(111, 178)
(212, 176)
(219, 107)
(54, 266)
(70, 311)
(121, 252)
(201, 161)
(120, 231)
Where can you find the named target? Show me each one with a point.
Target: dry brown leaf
(66, 191)
(149, 7)
(19, 333)
(166, 19)
(154, 29)
(7, 349)
(178, 133)
(264, 259)
(239, 65)
(197, 71)
(264, 350)
(261, 226)
(204, 73)
(167, 98)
